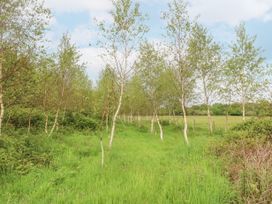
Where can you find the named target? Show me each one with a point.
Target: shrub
(248, 160)
(165, 122)
(22, 154)
(19, 117)
(256, 128)
(79, 121)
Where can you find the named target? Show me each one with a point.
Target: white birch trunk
(46, 123)
(55, 123)
(159, 124)
(185, 122)
(208, 106)
(210, 119)
(116, 115)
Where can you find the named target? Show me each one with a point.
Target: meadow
(139, 169)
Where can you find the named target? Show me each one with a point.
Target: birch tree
(106, 95)
(178, 27)
(244, 66)
(120, 40)
(150, 67)
(205, 56)
(21, 25)
(66, 70)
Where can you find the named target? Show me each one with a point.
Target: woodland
(186, 120)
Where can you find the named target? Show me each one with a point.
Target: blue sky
(220, 16)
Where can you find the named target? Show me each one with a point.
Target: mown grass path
(139, 169)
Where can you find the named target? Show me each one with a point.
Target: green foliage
(165, 122)
(22, 153)
(247, 153)
(20, 118)
(79, 121)
(255, 128)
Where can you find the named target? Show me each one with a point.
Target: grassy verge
(139, 169)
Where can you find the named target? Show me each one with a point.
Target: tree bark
(185, 122)
(208, 106)
(1, 93)
(159, 124)
(55, 123)
(210, 119)
(116, 115)
(46, 123)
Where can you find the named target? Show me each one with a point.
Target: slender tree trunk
(159, 124)
(46, 123)
(102, 152)
(208, 107)
(185, 122)
(210, 119)
(1, 93)
(55, 123)
(116, 115)
(45, 112)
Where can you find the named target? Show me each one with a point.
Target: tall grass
(139, 169)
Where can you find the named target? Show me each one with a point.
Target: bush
(248, 160)
(165, 122)
(19, 118)
(79, 121)
(256, 128)
(20, 155)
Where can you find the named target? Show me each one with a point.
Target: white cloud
(230, 11)
(82, 35)
(94, 63)
(79, 5)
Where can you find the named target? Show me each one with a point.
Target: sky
(219, 16)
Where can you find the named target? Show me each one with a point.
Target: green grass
(139, 169)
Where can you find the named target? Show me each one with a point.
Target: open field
(201, 122)
(139, 169)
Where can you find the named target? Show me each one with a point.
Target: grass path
(139, 169)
